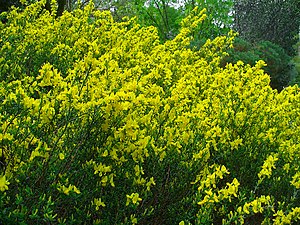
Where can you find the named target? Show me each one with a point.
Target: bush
(103, 124)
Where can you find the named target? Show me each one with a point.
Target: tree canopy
(271, 20)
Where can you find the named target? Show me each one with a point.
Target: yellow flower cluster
(210, 193)
(67, 190)
(296, 180)
(134, 198)
(256, 205)
(281, 218)
(98, 202)
(267, 167)
(3, 183)
(225, 193)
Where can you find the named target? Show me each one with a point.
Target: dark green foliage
(163, 16)
(296, 70)
(278, 62)
(273, 20)
(244, 51)
(219, 19)
(6, 4)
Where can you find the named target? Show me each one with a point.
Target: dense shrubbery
(101, 123)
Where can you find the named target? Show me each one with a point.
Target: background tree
(273, 20)
(271, 28)
(167, 14)
(295, 79)
(163, 14)
(278, 61)
(219, 17)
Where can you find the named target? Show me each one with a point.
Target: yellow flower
(133, 219)
(76, 190)
(98, 203)
(236, 143)
(296, 180)
(61, 156)
(134, 197)
(67, 190)
(3, 183)
(149, 183)
(267, 167)
(246, 208)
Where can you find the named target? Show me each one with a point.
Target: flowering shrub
(103, 124)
